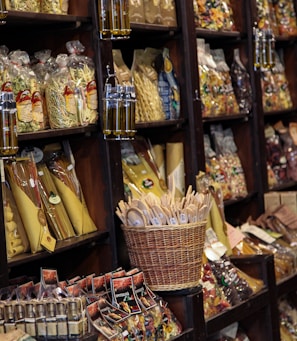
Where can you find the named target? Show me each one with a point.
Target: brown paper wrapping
(76, 209)
(159, 157)
(175, 166)
(168, 12)
(56, 213)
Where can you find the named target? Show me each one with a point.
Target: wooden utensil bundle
(151, 210)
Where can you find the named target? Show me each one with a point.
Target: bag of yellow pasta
(22, 177)
(68, 186)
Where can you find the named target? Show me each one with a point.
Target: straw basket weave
(169, 256)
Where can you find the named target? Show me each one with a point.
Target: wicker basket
(169, 256)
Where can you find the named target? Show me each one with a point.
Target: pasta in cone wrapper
(54, 208)
(22, 175)
(69, 189)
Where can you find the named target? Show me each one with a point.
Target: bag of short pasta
(82, 73)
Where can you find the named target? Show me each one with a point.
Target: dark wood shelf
(285, 186)
(161, 124)
(235, 201)
(212, 34)
(220, 118)
(62, 246)
(238, 312)
(31, 18)
(152, 27)
(287, 285)
(280, 112)
(52, 133)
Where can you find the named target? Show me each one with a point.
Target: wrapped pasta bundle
(22, 177)
(68, 186)
(54, 207)
(16, 238)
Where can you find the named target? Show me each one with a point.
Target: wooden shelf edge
(61, 246)
(44, 134)
(225, 118)
(45, 18)
(287, 284)
(207, 33)
(238, 312)
(156, 124)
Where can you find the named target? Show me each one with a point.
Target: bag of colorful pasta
(82, 72)
(27, 93)
(60, 96)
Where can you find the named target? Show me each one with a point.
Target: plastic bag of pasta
(27, 93)
(21, 5)
(60, 96)
(149, 104)
(82, 72)
(54, 6)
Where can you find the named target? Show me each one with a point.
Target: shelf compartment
(239, 312)
(62, 246)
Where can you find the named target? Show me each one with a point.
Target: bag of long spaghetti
(15, 234)
(60, 96)
(55, 211)
(63, 173)
(22, 176)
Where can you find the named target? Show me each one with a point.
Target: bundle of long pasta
(54, 208)
(67, 183)
(16, 238)
(22, 176)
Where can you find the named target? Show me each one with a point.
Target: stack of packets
(43, 202)
(115, 306)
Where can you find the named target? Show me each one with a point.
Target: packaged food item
(208, 102)
(20, 5)
(27, 93)
(241, 84)
(168, 86)
(54, 6)
(152, 11)
(69, 189)
(216, 15)
(60, 96)
(136, 11)
(168, 12)
(286, 17)
(22, 177)
(15, 234)
(149, 104)
(275, 155)
(231, 106)
(54, 208)
(82, 72)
